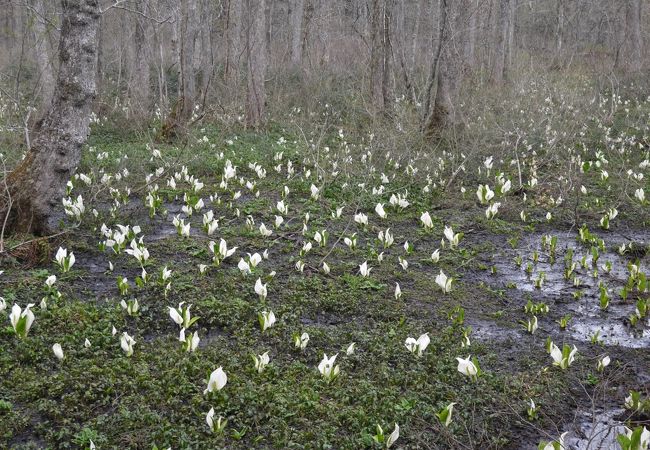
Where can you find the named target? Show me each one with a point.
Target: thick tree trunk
(440, 82)
(256, 59)
(42, 53)
(36, 186)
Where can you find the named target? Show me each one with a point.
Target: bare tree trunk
(440, 82)
(36, 186)
(559, 31)
(233, 40)
(183, 42)
(187, 79)
(139, 86)
(297, 14)
(306, 28)
(208, 50)
(256, 60)
(472, 25)
(43, 60)
(501, 55)
(510, 48)
(387, 49)
(268, 31)
(400, 52)
(633, 20)
(201, 61)
(417, 39)
(379, 53)
(376, 96)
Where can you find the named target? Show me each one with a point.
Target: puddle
(485, 330)
(581, 302)
(611, 333)
(553, 272)
(595, 430)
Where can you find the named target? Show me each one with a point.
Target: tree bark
(32, 201)
(559, 31)
(256, 59)
(297, 14)
(379, 53)
(440, 82)
(472, 31)
(501, 55)
(233, 40)
(43, 60)
(633, 19)
(417, 31)
(187, 79)
(185, 33)
(510, 43)
(140, 87)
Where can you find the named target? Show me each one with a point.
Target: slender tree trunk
(399, 53)
(306, 27)
(417, 39)
(100, 58)
(501, 54)
(559, 31)
(256, 59)
(43, 60)
(379, 47)
(297, 14)
(472, 32)
(510, 47)
(633, 28)
(387, 49)
(187, 76)
(201, 65)
(183, 43)
(160, 72)
(233, 40)
(36, 186)
(268, 31)
(140, 87)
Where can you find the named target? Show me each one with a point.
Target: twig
(44, 238)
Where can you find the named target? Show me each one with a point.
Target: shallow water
(587, 317)
(594, 430)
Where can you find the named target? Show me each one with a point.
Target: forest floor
(156, 396)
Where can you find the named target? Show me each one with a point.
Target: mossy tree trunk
(32, 200)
